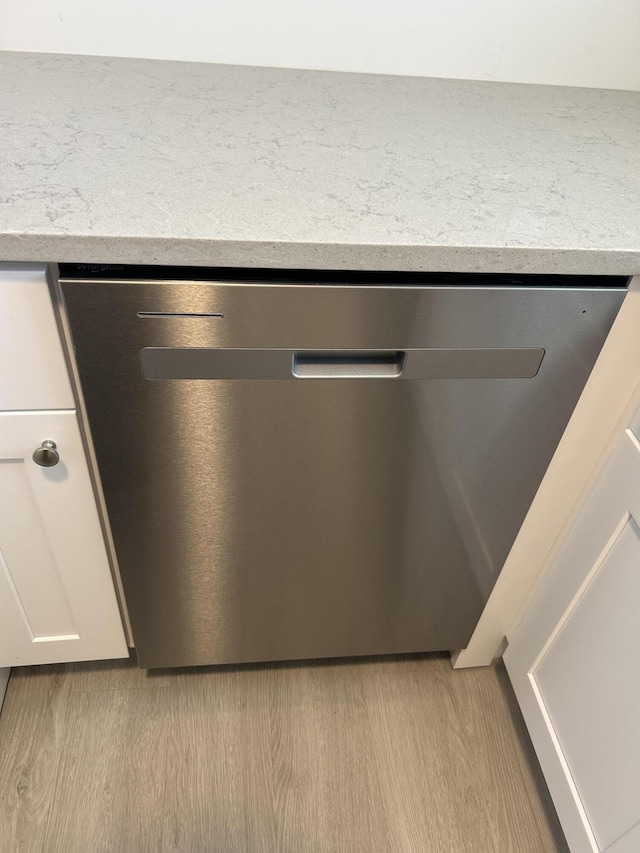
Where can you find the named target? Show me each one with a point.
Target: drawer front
(33, 372)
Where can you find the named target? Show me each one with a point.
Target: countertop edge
(362, 257)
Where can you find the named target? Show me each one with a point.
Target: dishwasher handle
(161, 363)
(348, 365)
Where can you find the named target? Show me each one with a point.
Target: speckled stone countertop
(138, 161)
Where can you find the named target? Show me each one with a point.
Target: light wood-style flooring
(390, 754)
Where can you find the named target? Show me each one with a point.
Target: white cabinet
(574, 663)
(33, 372)
(57, 598)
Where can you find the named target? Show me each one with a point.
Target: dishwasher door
(299, 471)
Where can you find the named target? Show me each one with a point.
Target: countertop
(142, 161)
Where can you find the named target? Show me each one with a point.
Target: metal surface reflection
(264, 519)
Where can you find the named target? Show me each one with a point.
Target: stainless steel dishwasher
(300, 466)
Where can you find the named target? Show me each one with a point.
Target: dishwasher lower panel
(344, 505)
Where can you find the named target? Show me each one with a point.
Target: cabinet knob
(46, 455)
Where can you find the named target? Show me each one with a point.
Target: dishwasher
(311, 464)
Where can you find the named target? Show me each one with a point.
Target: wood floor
(395, 754)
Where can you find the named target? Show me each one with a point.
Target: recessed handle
(47, 454)
(331, 364)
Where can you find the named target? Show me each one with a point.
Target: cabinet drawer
(33, 372)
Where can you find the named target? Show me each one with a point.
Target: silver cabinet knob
(46, 455)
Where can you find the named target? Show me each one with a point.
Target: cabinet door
(57, 599)
(575, 665)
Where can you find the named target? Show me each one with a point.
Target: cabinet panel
(33, 372)
(57, 601)
(26, 557)
(574, 663)
(629, 843)
(581, 679)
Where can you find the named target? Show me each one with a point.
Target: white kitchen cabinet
(57, 597)
(574, 663)
(33, 372)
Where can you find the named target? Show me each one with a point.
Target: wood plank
(399, 754)
(326, 797)
(32, 728)
(219, 796)
(111, 779)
